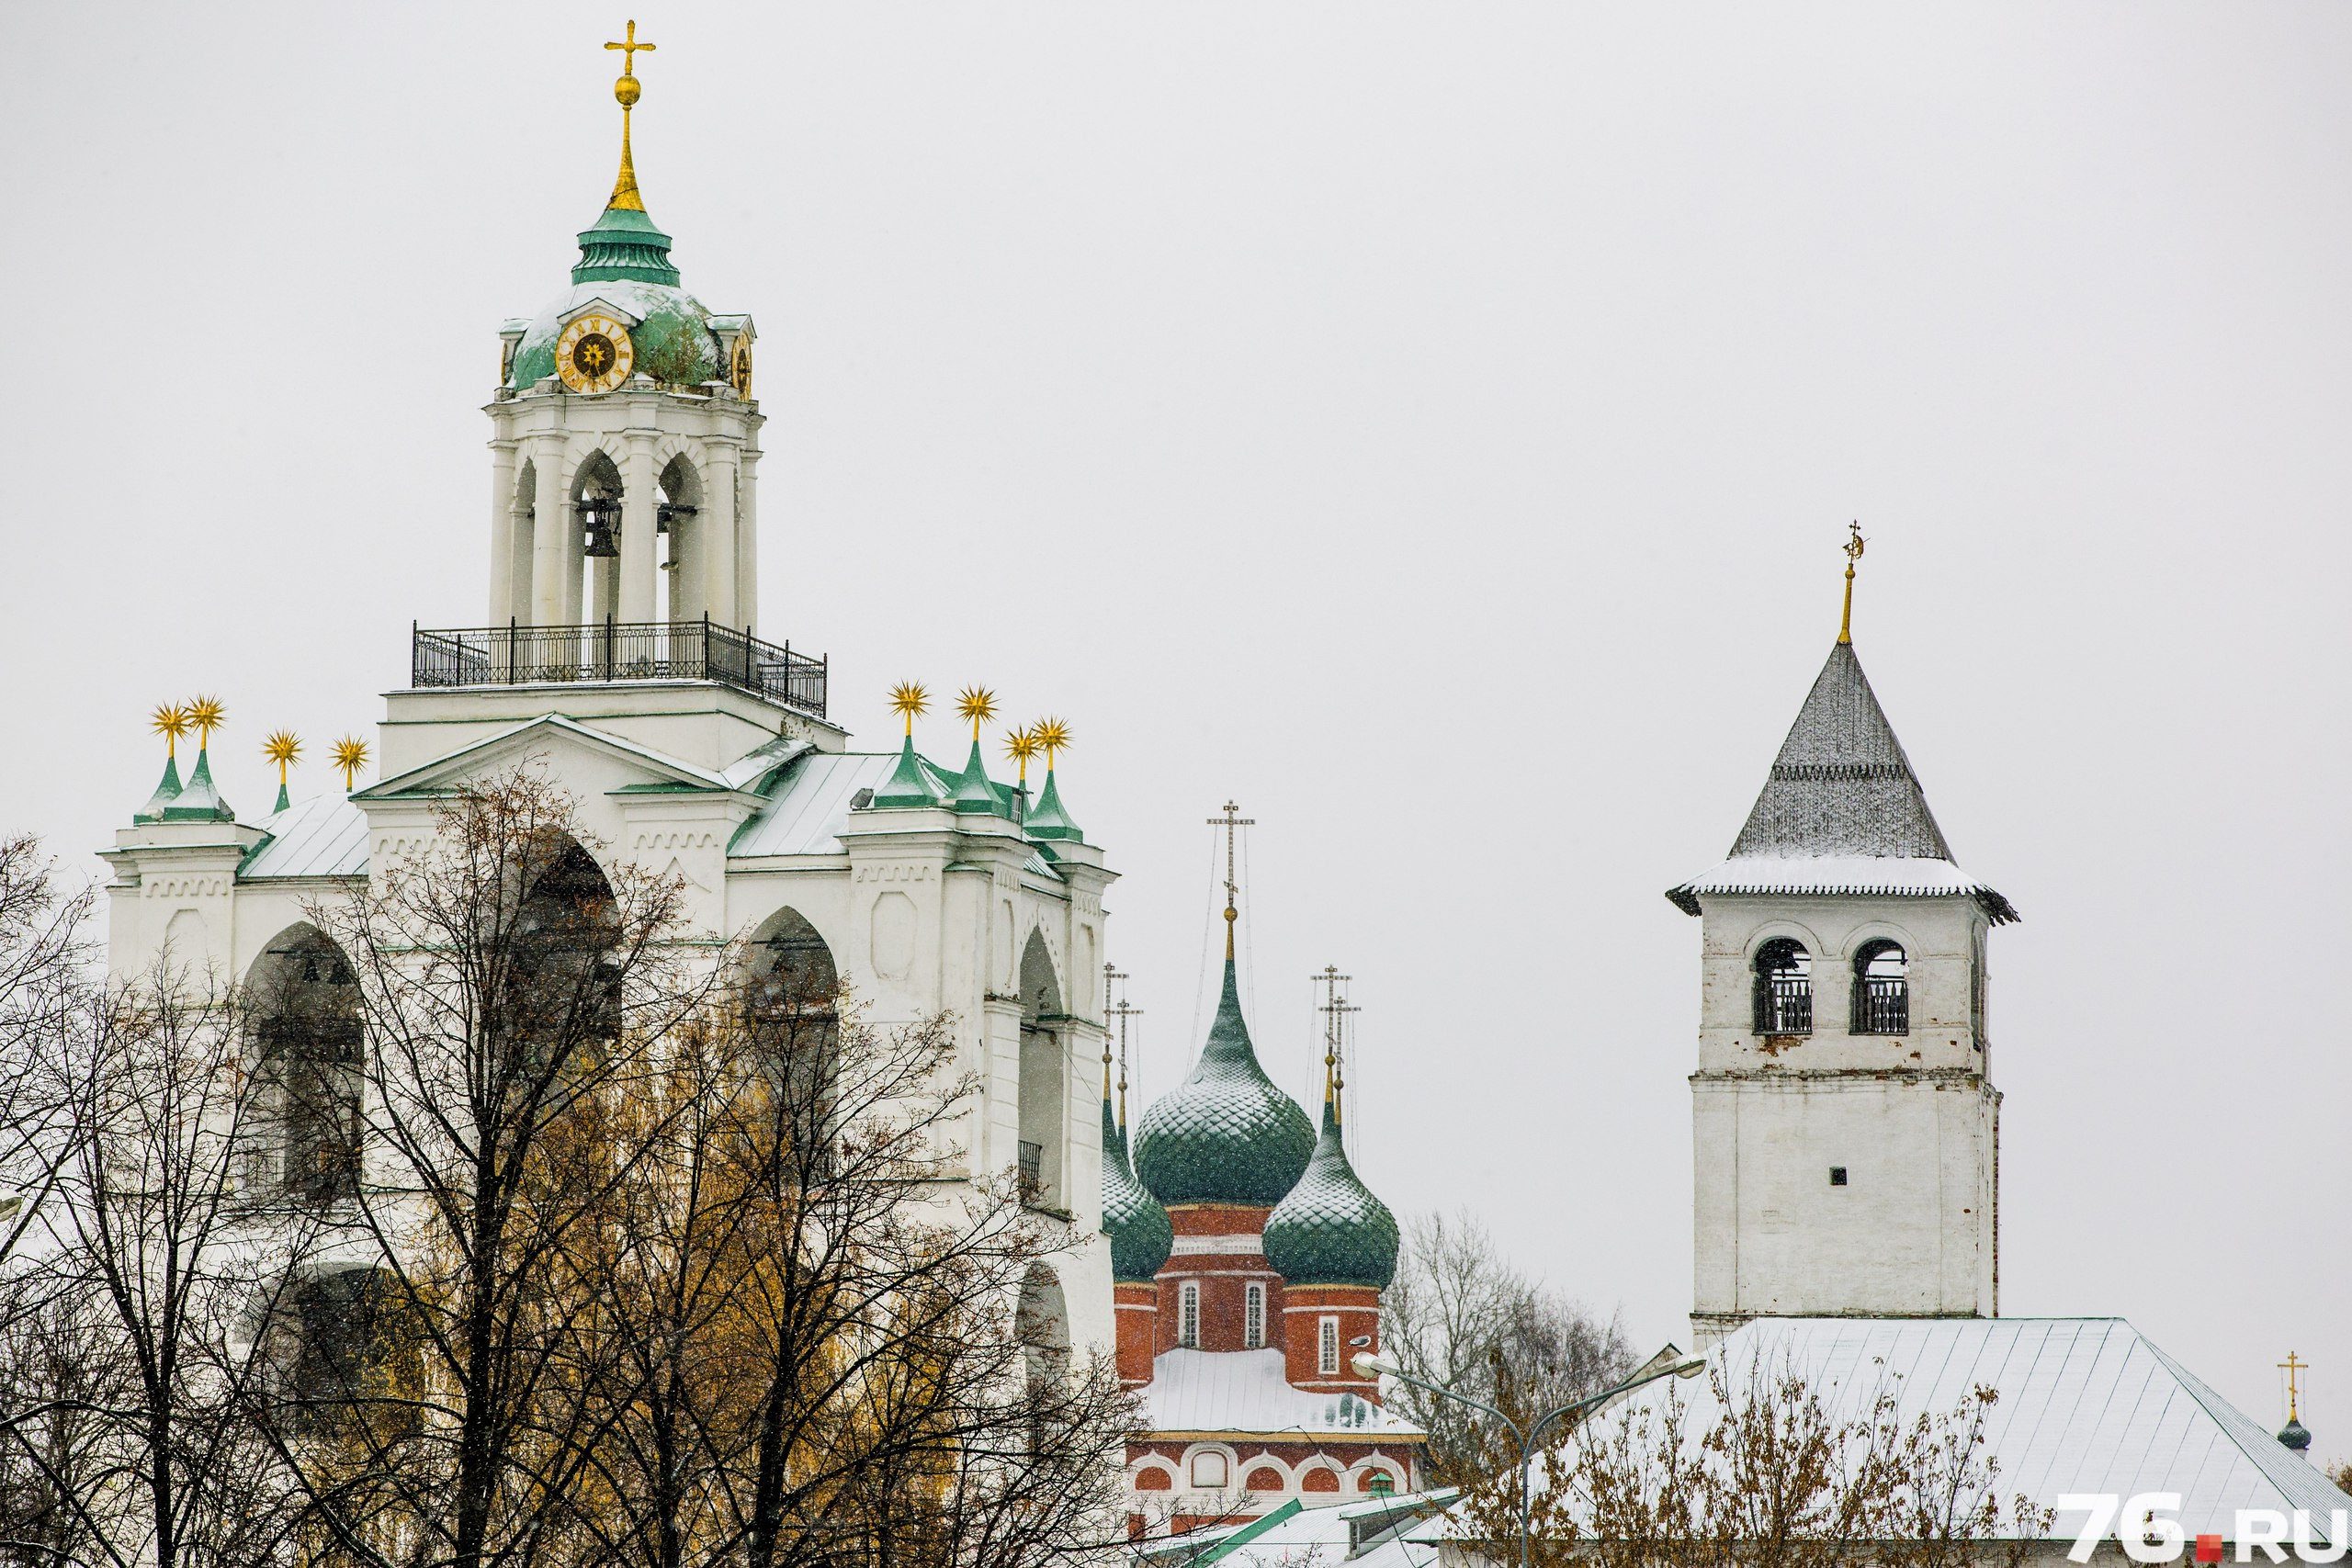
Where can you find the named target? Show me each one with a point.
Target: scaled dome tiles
(1140, 1236)
(1331, 1230)
(1225, 1135)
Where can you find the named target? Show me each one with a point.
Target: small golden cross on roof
(628, 49)
(2290, 1366)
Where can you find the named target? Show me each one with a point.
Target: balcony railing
(618, 650)
(1882, 1005)
(1784, 1002)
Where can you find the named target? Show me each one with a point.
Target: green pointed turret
(907, 786)
(974, 793)
(166, 790)
(1225, 1135)
(200, 802)
(1047, 819)
(1329, 1229)
(1138, 1225)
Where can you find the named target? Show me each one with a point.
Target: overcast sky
(1431, 427)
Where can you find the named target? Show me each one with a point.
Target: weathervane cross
(628, 49)
(1232, 824)
(1853, 548)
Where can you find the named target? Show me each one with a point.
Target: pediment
(599, 306)
(590, 761)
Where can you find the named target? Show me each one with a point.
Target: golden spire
(1053, 736)
(207, 714)
(171, 722)
(976, 703)
(910, 701)
(1021, 745)
(626, 91)
(1231, 823)
(2290, 1366)
(282, 748)
(350, 755)
(1853, 547)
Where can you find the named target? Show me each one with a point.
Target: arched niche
(789, 1006)
(564, 989)
(1045, 1095)
(1041, 1322)
(341, 1343)
(680, 547)
(307, 1043)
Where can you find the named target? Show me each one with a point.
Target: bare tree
(1459, 1316)
(1770, 1480)
(43, 999)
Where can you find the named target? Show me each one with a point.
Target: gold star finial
(909, 701)
(976, 703)
(206, 715)
(1053, 736)
(1853, 547)
(1022, 745)
(171, 722)
(283, 748)
(350, 755)
(626, 91)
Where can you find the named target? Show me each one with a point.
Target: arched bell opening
(596, 495)
(342, 1347)
(1783, 987)
(522, 511)
(789, 1007)
(678, 588)
(1882, 1002)
(1045, 1096)
(561, 1006)
(308, 1050)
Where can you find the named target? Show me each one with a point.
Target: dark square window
(1837, 1175)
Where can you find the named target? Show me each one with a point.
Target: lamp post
(1375, 1366)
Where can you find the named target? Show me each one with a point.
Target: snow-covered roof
(810, 805)
(323, 836)
(1842, 874)
(1245, 1391)
(1402, 1531)
(2087, 1405)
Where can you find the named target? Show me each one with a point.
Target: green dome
(1331, 1230)
(1133, 1219)
(672, 339)
(2294, 1436)
(1225, 1135)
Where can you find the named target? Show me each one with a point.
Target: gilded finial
(909, 701)
(171, 722)
(282, 748)
(976, 703)
(1022, 745)
(1853, 548)
(1232, 822)
(625, 92)
(206, 715)
(350, 755)
(1053, 736)
(2292, 1366)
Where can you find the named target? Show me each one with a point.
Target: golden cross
(2290, 1366)
(1230, 823)
(629, 51)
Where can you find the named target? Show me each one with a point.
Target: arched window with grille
(1783, 987)
(1882, 990)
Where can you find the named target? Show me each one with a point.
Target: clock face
(594, 355)
(741, 371)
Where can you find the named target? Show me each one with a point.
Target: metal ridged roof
(2087, 1405)
(323, 836)
(808, 808)
(1247, 1390)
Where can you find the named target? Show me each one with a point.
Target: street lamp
(1372, 1368)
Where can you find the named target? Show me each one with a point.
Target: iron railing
(1882, 1005)
(1032, 1163)
(618, 650)
(1784, 1002)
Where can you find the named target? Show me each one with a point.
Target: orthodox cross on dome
(1232, 824)
(1335, 1007)
(1853, 548)
(625, 92)
(1122, 1013)
(2292, 1366)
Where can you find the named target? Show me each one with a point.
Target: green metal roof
(1138, 1225)
(1225, 1135)
(1331, 1230)
(166, 790)
(200, 802)
(1047, 819)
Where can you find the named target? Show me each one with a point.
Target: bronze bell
(600, 514)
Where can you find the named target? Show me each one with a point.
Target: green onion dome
(1331, 1230)
(1225, 1135)
(1133, 1219)
(2294, 1434)
(671, 340)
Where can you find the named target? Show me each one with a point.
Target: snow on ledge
(1858, 875)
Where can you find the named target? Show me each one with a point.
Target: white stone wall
(1911, 1119)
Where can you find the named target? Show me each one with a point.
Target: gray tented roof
(1841, 784)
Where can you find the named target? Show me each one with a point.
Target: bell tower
(1844, 1123)
(624, 442)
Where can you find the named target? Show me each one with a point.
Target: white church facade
(621, 653)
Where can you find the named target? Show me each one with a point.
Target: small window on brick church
(1188, 1313)
(1783, 988)
(1837, 1175)
(1253, 1325)
(1327, 1346)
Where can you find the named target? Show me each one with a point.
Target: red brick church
(1249, 1261)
